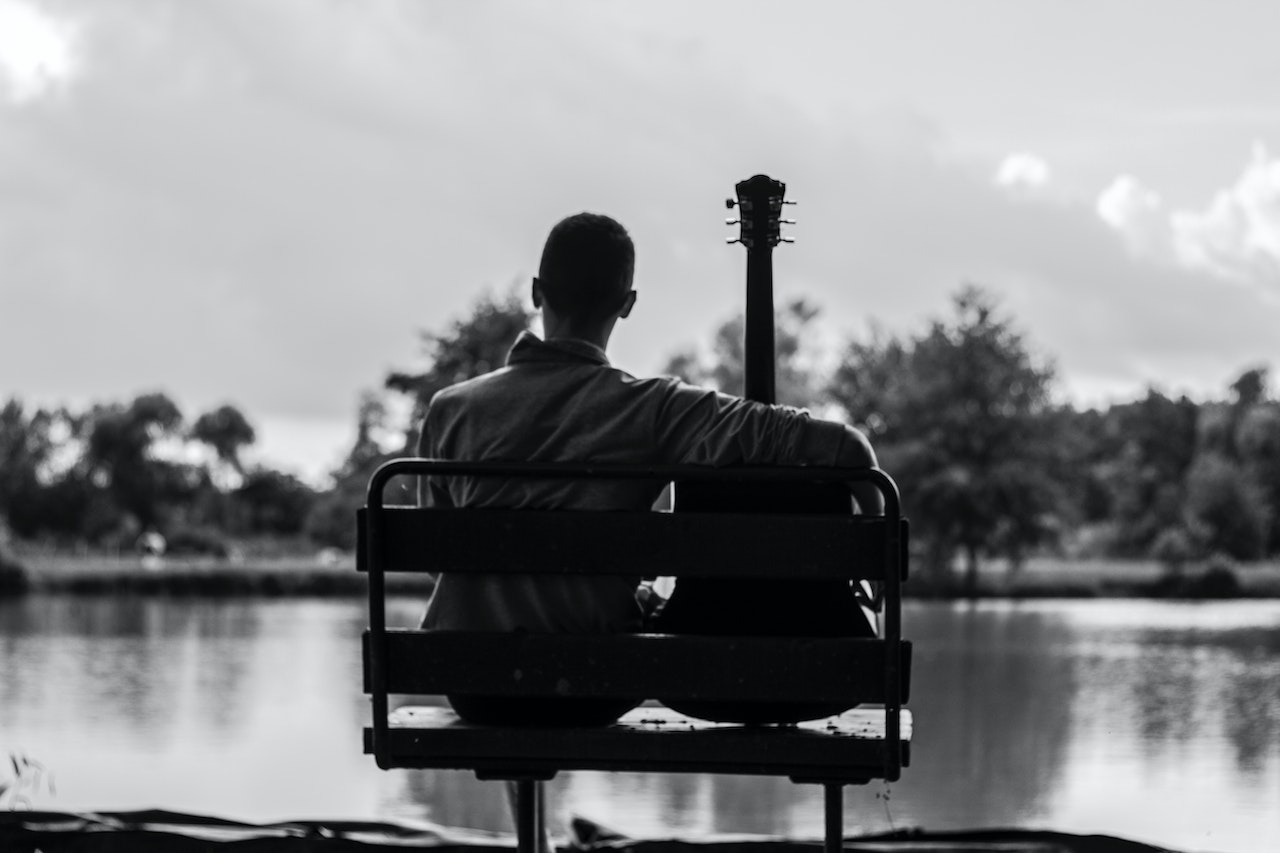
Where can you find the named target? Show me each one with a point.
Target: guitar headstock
(760, 200)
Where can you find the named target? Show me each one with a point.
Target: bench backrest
(708, 545)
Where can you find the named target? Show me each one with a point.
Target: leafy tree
(1086, 449)
(331, 520)
(1250, 388)
(121, 441)
(959, 415)
(797, 381)
(470, 346)
(42, 491)
(1258, 440)
(1149, 447)
(272, 502)
(226, 431)
(1226, 510)
(24, 447)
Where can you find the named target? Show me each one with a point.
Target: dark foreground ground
(148, 831)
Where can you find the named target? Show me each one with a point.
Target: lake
(1157, 721)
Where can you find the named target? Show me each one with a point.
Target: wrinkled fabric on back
(561, 401)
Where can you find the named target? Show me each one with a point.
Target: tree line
(961, 413)
(106, 475)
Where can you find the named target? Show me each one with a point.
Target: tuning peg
(787, 239)
(731, 240)
(729, 203)
(733, 222)
(787, 201)
(786, 222)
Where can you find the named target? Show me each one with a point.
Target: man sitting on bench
(559, 400)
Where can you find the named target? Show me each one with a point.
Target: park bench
(855, 747)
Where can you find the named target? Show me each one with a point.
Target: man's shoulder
(470, 387)
(515, 383)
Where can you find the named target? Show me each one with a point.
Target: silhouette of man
(559, 400)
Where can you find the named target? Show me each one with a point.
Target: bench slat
(847, 748)
(631, 543)
(802, 669)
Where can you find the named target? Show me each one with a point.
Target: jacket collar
(529, 348)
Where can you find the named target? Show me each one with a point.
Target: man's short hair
(587, 265)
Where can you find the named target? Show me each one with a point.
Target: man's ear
(536, 291)
(628, 304)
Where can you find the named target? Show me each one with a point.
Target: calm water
(1154, 721)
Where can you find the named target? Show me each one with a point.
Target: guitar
(762, 608)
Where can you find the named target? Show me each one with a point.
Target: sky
(264, 202)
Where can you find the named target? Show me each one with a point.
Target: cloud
(1235, 237)
(1238, 235)
(39, 52)
(1022, 170)
(263, 203)
(1137, 213)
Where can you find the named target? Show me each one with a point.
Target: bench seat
(649, 739)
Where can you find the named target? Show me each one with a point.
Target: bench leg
(530, 815)
(833, 807)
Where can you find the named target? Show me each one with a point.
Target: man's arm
(837, 445)
(431, 490)
(705, 427)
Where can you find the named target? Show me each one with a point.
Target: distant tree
(45, 485)
(470, 346)
(272, 502)
(226, 431)
(368, 452)
(1226, 510)
(331, 519)
(959, 416)
(1250, 388)
(1150, 446)
(1258, 440)
(797, 380)
(1086, 449)
(120, 448)
(24, 447)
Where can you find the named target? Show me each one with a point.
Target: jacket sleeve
(700, 426)
(432, 491)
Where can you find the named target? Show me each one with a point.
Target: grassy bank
(1043, 577)
(266, 576)
(1055, 577)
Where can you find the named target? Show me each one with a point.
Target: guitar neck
(758, 356)
(760, 200)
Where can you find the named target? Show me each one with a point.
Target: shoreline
(158, 829)
(1045, 577)
(76, 574)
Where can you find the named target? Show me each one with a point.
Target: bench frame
(394, 539)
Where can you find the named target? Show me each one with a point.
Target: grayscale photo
(616, 426)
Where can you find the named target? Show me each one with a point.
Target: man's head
(586, 271)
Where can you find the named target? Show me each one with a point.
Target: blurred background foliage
(962, 413)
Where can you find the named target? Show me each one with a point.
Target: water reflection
(1159, 721)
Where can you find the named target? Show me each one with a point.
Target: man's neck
(593, 333)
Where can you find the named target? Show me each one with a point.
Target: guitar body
(762, 608)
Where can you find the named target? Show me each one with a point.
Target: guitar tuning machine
(785, 222)
(729, 204)
(733, 222)
(787, 239)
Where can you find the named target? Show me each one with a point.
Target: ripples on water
(1154, 720)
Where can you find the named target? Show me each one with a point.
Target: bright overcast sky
(263, 201)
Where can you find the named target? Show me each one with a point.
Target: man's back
(559, 401)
